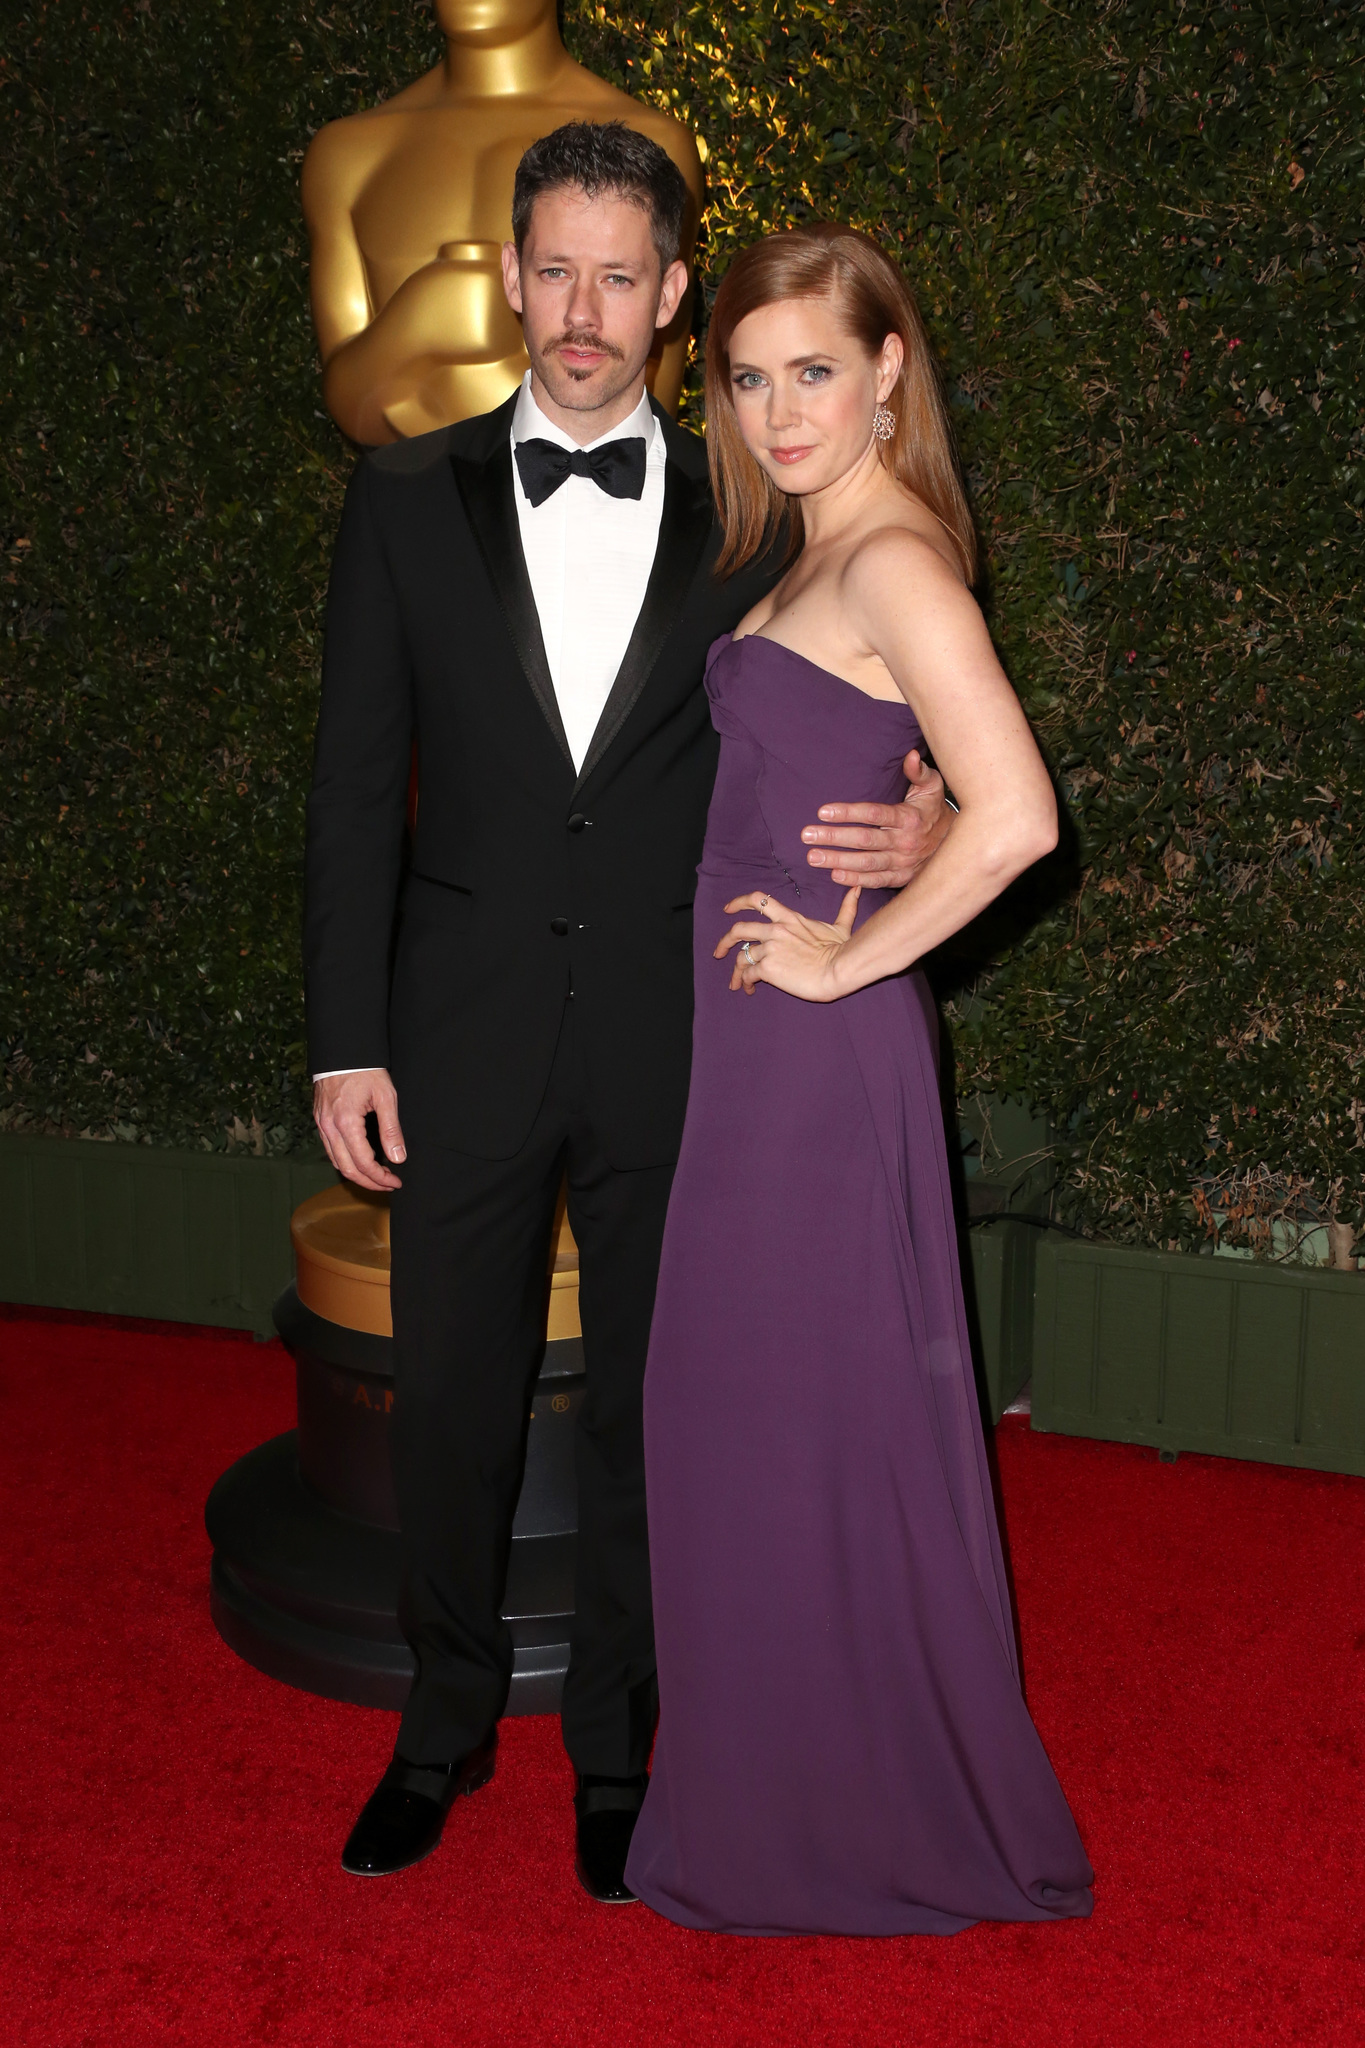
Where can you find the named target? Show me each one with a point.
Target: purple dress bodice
(793, 736)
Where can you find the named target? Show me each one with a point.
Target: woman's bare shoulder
(900, 560)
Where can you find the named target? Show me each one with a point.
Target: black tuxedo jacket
(450, 963)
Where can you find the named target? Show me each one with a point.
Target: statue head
(487, 23)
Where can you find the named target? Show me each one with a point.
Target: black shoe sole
(394, 1869)
(483, 1776)
(597, 1898)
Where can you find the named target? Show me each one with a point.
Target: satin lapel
(486, 488)
(684, 527)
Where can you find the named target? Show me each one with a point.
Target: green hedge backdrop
(1135, 230)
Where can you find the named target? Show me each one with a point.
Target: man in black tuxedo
(528, 598)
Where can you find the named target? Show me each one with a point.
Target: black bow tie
(618, 467)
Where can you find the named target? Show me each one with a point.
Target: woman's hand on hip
(797, 954)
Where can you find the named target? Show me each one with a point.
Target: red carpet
(1194, 1639)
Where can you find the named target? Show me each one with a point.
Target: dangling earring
(883, 423)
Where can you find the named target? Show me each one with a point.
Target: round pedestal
(304, 1530)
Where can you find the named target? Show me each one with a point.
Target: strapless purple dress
(843, 1745)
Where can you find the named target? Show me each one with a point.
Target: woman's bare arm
(906, 605)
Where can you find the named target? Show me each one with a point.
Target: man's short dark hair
(605, 156)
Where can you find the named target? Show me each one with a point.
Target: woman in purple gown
(843, 1745)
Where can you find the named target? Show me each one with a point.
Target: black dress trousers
(470, 1249)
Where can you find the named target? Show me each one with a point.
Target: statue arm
(447, 316)
(338, 285)
(371, 357)
(667, 380)
(337, 282)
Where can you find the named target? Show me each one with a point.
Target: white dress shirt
(588, 556)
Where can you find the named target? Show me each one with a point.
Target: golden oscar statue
(409, 203)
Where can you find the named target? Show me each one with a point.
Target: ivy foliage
(1134, 228)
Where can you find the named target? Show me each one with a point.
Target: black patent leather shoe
(402, 1820)
(607, 1810)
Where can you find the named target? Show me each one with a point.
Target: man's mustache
(582, 340)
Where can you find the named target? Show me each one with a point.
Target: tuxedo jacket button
(560, 927)
(577, 821)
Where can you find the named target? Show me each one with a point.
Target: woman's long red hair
(829, 262)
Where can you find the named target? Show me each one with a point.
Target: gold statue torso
(408, 205)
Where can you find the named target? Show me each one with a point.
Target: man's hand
(882, 846)
(341, 1103)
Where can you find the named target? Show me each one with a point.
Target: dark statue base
(305, 1533)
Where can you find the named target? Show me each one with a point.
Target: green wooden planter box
(1000, 1287)
(1200, 1354)
(137, 1230)
(1183, 1353)
(201, 1237)
(1008, 1172)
